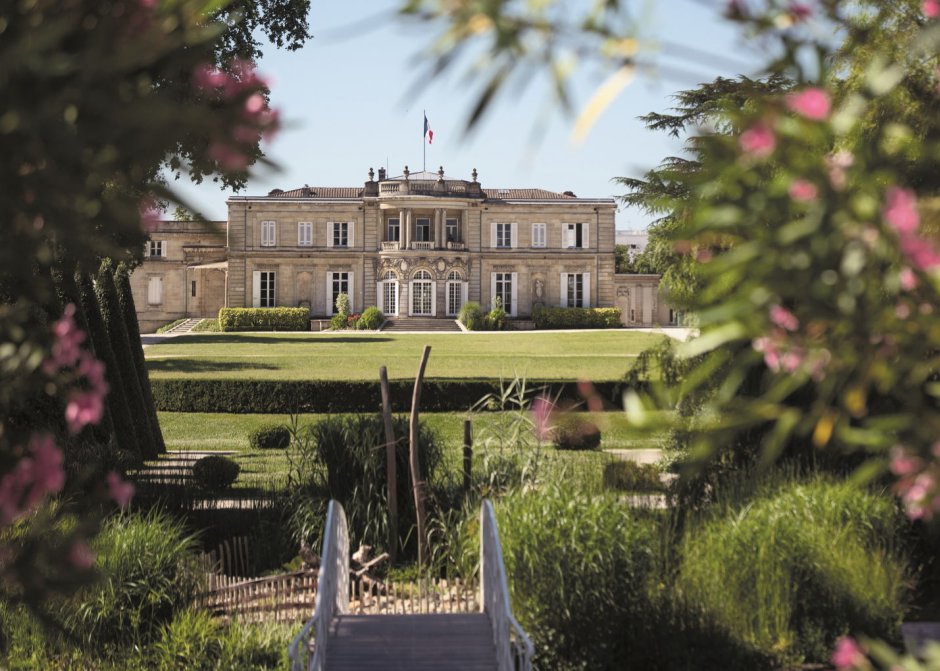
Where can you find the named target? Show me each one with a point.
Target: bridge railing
(306, 653)
(514, 650)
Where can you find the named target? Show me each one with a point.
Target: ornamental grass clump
(798, 566)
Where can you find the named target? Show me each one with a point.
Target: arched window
(388, 293)
(422, 275)
(456, 292)
(422, 294)
(454, 276)
(390, 275)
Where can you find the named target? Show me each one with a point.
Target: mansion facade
(416, 245)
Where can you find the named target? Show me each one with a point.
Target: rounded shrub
(215, 472)
(575, 433)
(371, 319)
(270, 438)
(471, 316)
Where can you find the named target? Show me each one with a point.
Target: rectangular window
(155, 291)
(268, 233)
(267, 286)
(504, 291)
(339, 285)
(575, 295)
(454, 297)
(575, 236)
(394, 230)
(305, 233)
(422, 229)
(538, 235)
(340, 234)
(504, 235)
(194, 288)
(452, 233)
(157, 248)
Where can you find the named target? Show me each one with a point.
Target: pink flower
(931, 8)
(48, 476)
(900, 210)
(921, 252)
(800, 11)
(255, 104)
(803, 191)
(758, 141)
(119, 490)
(902, 310)
(836, 166)
(207, 77)
(149, 214)
(541, 417)
(902, 463)
(230, 159)
(81, 556)
(847, 655)
(783, 318)
(84, 408)
(907, 279)
(812, 103)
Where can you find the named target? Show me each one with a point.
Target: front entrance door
(422, 294)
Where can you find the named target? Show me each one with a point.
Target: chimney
(381, 174)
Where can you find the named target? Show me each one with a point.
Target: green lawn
(265, 468)
(604, 355)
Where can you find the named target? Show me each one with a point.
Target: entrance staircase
(336, 640)
(433, 324)
(184, 327)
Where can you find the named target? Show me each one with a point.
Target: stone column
(438, 239)
(401, 228)
(407, 230)
(444, 227)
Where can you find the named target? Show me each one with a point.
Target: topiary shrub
(264, 319)
(576, 318)
(630, 476)
(575, 433)
(270, 438)
(215, 472)
(471, 316)
(371, 319)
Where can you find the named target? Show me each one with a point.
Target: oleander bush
(630, 476)
(275, 437)
(471, 316)
(215, 472)
(264, 319)
(371, 319)
(576, 318)
(571, 432)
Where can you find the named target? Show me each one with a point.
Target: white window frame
(387, 293)
(504, 234)
(426, 281)
(427, 226)
(396, 228)
(336, 230)
(569, 238)
(564, 299)
(539, 235)
(331, 296)
(304, 233)
(457, 291)
(267, 297)
(495, 280)
(452, 223)
(155, 291)
(268, 233)
(157, 249)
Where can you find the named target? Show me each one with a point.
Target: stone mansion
(417, 245)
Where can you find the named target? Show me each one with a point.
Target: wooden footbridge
(336, 640)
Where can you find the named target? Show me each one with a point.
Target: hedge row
(264, 319)
(307, 396)
(576, 318)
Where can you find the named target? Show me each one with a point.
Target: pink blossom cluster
(803, 191)
(86, 402)
(812, 103)
(847, 654)
(119, 490)
(149, 214)
(931, 9)
(837, 164)
(33, 477)
(900, 211)
(783, 351)
(257, 120)
(542, 409)
(918, 481)
(758, 141)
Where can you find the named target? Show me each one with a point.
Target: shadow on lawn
(252, 338)
(198, 366)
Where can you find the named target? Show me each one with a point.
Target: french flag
(427, 130)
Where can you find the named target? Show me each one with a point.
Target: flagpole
(424, 147)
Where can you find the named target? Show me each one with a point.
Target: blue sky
(344, 102)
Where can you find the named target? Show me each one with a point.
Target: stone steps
(185, 327)
(433, 324)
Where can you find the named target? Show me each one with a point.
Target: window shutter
(585, 235)
(256, 289)
(434, 299)
(464, 292)
(329, 235)
(410, 300)
(379, 296)
(351, 240)
(273, 233)
(492, 290)
(587, 290)
(514, 235)
(330, 307)
(493, 234)
(352, 293)
(514, 293)
(563, 294)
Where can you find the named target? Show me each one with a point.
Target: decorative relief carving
(623, 291)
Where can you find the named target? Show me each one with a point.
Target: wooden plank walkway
(426, 642)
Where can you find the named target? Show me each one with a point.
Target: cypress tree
(122, 281)
(113, 318)
(121, 416)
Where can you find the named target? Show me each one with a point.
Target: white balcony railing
(422, 245)
(391, 246)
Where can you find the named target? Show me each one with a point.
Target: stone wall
(640, 301)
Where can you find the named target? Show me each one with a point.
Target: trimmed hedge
(264, 319)
(294, 396)
(215, 472)
(576, 318)
(274, 437)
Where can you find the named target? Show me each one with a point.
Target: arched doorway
(422, 290)
(387, 293)
(456, 292)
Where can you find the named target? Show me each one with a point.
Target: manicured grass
(268, 468)
(596, 355)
